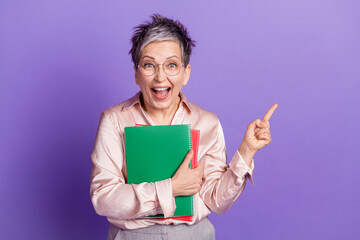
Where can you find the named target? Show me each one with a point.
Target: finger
(266, 124)
(259, 123)
(266, 140)
(263, 136)
(262, 130)
(270, 112)
(187, 159)
(200, 182)
(253, 125)
(200, 167)
(262, 125)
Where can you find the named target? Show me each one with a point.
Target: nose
(160, 74)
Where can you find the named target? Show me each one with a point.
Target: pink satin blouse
(125, 205)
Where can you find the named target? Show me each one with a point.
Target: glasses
(170, 67)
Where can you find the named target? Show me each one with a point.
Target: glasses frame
(163, 67)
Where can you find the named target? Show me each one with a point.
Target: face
(160, 91)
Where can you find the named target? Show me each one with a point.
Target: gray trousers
(203, 230)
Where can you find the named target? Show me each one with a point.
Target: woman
(161, 50)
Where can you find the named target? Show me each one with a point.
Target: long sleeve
(110, 195)
(223, 183)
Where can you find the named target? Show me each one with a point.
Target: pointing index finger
(270, 112)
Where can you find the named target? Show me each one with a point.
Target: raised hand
(187, 181)
(257, 136)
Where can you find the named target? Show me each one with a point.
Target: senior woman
(161, 50)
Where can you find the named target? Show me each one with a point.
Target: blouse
(126, 205)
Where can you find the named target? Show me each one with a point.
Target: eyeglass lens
(170, 67)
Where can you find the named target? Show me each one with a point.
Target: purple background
(63, 62)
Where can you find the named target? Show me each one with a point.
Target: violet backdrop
(63, 62)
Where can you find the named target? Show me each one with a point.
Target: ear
(136, 76)
(187, 74)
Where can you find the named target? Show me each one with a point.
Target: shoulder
(197, 112)
(120, 113)
(206, 121)
(122, 107)
(115, 109)
(203, 114)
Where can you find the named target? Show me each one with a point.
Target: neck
(161, 116)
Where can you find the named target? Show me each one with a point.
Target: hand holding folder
(187, 181)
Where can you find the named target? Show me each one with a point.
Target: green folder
(154, 153)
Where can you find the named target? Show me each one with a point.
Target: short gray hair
(158, 29)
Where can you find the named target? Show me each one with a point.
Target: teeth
(160, 89)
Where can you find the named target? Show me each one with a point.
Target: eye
(172, 65)
(149, 66)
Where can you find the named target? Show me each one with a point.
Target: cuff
(165, 196)
(240, 168)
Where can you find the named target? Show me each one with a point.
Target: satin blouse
(125, 205)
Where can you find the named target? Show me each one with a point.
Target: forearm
(246, 153)
(221, 189)
(130, 201)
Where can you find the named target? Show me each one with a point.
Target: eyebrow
(172, 57)
(146, 56)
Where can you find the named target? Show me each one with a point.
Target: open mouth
(161, 93)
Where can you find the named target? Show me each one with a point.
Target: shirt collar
(136, 100)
